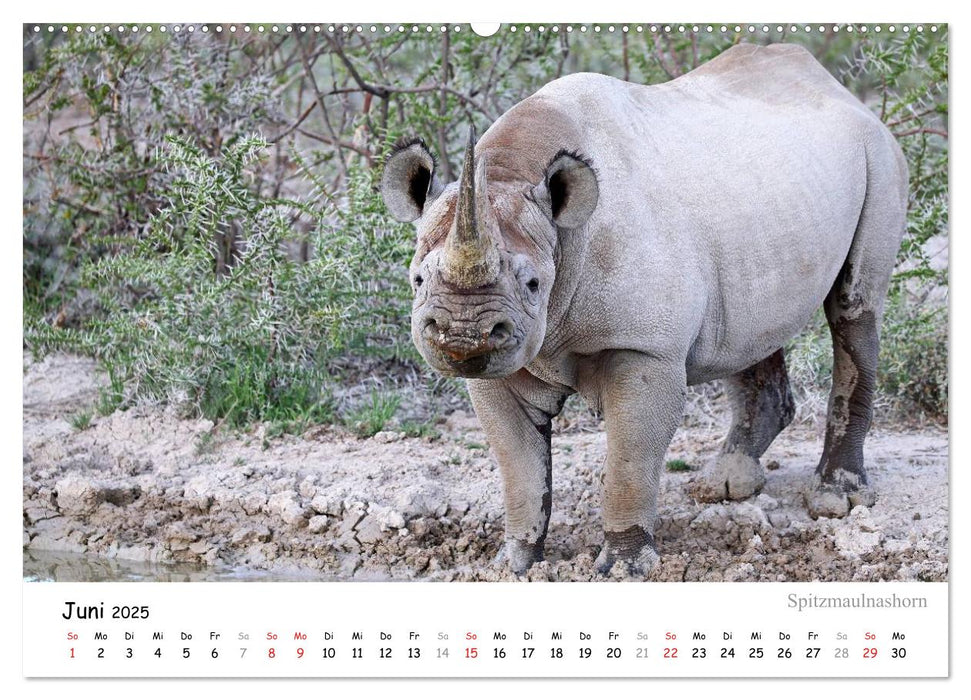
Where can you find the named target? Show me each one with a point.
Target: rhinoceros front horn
(471, 255)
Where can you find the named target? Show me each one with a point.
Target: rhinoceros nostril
(501, 332)
(430, 327)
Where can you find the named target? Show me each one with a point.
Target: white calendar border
(439, 10)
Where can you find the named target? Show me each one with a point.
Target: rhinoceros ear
(409, 183)
(569, 190)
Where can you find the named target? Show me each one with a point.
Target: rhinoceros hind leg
(854, 309)
(762, 407)
(840, 481)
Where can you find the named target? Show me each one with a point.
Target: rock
(714, 517)
(179, 532)
(233, 480)
(308, 488)
(253, 503)
(51, 534)
(318, 524)
(778, 519)
(199, 491)
(200, 547)
(862, 497)
(352, 516)
(78, 495)
(744, 571)
(348, 541)
(459, 507)
(350, 565)
(827, 504)
(294, 515)
(895, 546)
(355, 505)
(369, 530)
(750, 515)
(387, 518)
(35, 512)
(766, 502)
(853, 542)
(251, 535)
(327, 505)
(286, 506)
(930, 570)
(424, 527)
(418, 502)
(860, 515)
(386, 436)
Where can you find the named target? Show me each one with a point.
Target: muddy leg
(762, 406)
(840, 481)
(516, 414)
(643, 403)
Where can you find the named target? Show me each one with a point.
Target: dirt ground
(146, 487)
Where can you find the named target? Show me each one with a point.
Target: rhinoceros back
(729, 202)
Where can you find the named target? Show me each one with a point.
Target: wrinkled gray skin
(624, 241)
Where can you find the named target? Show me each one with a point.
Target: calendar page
(513, 350)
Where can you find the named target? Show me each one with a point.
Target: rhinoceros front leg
(643, 402)
(516, 414)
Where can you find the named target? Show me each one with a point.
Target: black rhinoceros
(625, 241)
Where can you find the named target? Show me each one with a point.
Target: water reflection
(68, 566)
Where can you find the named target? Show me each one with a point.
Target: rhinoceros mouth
(489, 365)
(471, 367)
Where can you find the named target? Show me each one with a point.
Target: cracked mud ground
(143, 487)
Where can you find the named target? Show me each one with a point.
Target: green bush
(251, 334)
(913, 358)
(97, 108)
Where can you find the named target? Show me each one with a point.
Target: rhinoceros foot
(836, 500)
(632, 549)
(518, 556)
(638, 565)
(732, 477)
